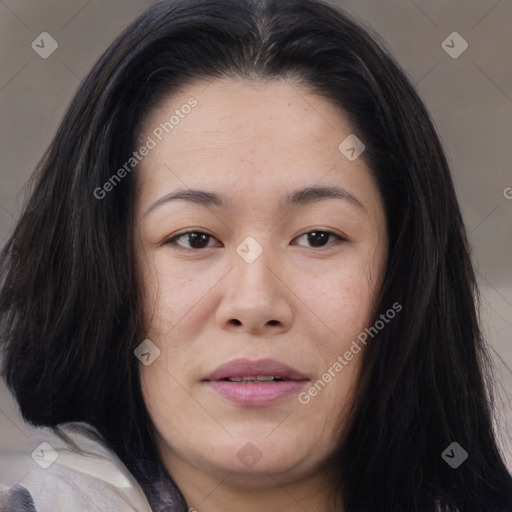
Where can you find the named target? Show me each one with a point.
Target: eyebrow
(300, 197)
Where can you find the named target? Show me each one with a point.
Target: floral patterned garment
(16, 499)
(77, 472)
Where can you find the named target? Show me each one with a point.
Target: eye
(195, 239)
(318, 238)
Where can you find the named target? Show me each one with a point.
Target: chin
(263, 473)
(248, 455)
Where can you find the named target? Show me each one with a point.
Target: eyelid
(171, 240)
(179, 234)
(339, 238)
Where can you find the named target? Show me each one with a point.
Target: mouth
(255, 380)
(262, 382)
(264, 370)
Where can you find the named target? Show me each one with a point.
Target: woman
(243, 279)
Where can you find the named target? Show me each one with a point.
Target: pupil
(198, 240)
(318, 238)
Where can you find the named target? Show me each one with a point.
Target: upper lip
(248, 368)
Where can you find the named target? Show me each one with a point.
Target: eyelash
(173, 240)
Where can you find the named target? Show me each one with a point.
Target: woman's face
(279, 279)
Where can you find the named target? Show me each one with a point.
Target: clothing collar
(161, 492)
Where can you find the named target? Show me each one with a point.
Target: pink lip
(263, 393)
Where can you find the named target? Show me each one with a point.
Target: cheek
(160, 390)
(153, 383)
(175, 294)
(342, 300)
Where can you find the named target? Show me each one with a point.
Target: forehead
(237, 111)
(258, 135)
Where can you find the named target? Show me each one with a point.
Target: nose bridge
(253, 298)
(252, 261)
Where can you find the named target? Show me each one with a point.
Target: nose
(256, 298)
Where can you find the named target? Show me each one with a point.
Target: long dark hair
(71, 297)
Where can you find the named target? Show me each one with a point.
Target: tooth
(253, 380)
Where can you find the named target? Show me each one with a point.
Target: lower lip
(256, 394)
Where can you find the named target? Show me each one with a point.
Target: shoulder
(75, 472)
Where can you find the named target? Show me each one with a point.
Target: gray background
(470, 99)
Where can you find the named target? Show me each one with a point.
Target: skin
(299, 303)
